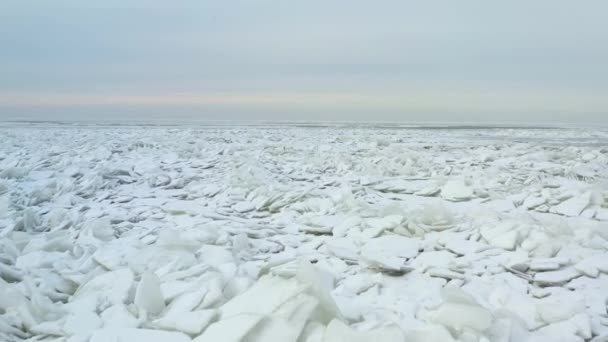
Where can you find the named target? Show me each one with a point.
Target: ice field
(302, 234)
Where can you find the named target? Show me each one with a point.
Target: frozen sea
(302, 232)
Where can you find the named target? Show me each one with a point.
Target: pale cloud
(540, 61)
(416, 99)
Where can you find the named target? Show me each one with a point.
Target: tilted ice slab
(456, 190)
(389, 252)
(573, 206)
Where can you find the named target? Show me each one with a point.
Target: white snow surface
(303, 234)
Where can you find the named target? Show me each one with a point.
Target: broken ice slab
(137, 335)
(337, 331)
(343, 248)
(573, 206)
(148, 295)
(556, 278)
(183, 207)
(456, 191)
(191, 322)
(389, 252)
(460, 311)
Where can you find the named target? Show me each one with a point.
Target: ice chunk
(591, 266)
(431, 218)
(186, 301)
(211, 190)
(343, 248)
(601, 214)
(118, 316)
(30, 220)
(287, 322)
(342, 228)
(215, 255)
(182, 207)
(564, 331)
(112, 287)
(507, 240)
(573, 206)
(339, 332)
(313, 332)
(446, 274)
(545, 264)
(52, 328)
(230, 329)
(534, 201)
(501, 205)
(456, 190)
(358, 283)
(432, 259)
(81, 323)
(57, 241)
(429, 333)
(459, 316)
(465, 247)
(390, 251)
(148, 295)
(4, 201)
(583, 325)
(385, 223)
(320, 288)
(272, 329)
(556, 277)
(38, 259)
(173, 240)
(137, 335)
(557, 308)
(516, 305)
(191, 323)
(102, 229)
(265, 296)
(244, 207)
(460, 311)
(13, 172)
(504, 235)
(294, 314)
(319, 230)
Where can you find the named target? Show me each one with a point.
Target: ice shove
(308, 235)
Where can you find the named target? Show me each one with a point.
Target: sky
(467, 61)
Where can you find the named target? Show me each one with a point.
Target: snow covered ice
(325, 234)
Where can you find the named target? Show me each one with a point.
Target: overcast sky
(541, 61)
